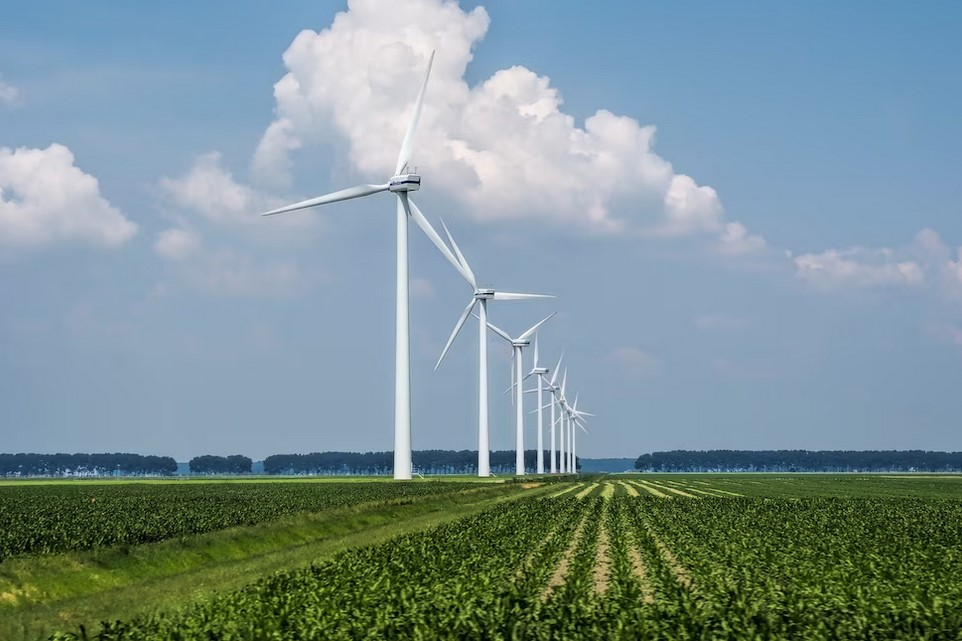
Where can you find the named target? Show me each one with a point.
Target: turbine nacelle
(404, 182)
(485, 293)
(520, 343)
(540, 370)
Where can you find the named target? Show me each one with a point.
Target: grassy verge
(42, 594)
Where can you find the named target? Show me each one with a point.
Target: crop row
(41, 519)
(617, 567)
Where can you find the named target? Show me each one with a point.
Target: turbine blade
(407, 147)
(534, 328)
(457, 328)
(556, 370)
(500, 332)
(582, 427)
(429, 231)
(564, 379)
(527, 376)
(337, 196)
(517, 296)
(457, 250)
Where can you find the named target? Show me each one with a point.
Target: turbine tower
(517, 346)
(545, 384)
(401, 184)
(479, 298)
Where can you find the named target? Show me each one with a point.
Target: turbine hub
(484, 293)
(405, 182)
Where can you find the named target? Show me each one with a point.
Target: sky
(749, 214)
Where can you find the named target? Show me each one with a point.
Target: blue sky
(776, 264)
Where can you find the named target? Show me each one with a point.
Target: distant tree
(799, 460)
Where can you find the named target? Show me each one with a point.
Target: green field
(620, 556)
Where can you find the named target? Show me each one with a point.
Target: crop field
(622, 557)
(36, 518)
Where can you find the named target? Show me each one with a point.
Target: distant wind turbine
(479, 298)
(401, 184)
(517, 346)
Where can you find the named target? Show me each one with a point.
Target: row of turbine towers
(568, 416)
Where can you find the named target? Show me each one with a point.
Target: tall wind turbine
(401, 184)
(517, 347)
(479, 298)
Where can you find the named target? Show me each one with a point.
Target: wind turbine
(576, 419)
(479, 298)
(544, 383)
(517, 346)
(401, 184)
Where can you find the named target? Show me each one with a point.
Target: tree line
(208, 464)
(373, 463)
(800, 461)
(62, 464)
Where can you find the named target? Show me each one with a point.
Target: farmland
(653, 556)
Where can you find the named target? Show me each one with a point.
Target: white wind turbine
(544, 383)
(575, 419)
(517, 349)
(401, 184)
(479, 298)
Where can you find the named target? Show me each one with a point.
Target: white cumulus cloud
(503, 147)
(736, 241)
(858, 267)
(45, 199)
(211, 191)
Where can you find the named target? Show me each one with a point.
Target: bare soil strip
(639, 570)
(715, 489)
(534, 552)
(566, 490)
(674, 490)
(608, 490)
(681, 574)
(651, 490)
(602, 563)
(585, 492)
(628, 488)
(560, 572)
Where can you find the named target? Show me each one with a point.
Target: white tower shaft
(402, 362)
(554, 460)
(484, 465)
(540, 455)
(519, 415)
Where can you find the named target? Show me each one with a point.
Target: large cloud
(45, 199)
(503, 147)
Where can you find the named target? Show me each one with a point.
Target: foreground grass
(41, 594)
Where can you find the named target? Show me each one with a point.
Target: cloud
(925, 260)
(717, 321)
(9, 95)
(177, 244)
(633, 361)
(211, 191)
(736, 241)
(858, 267)
(45, 200)
(503, 147)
